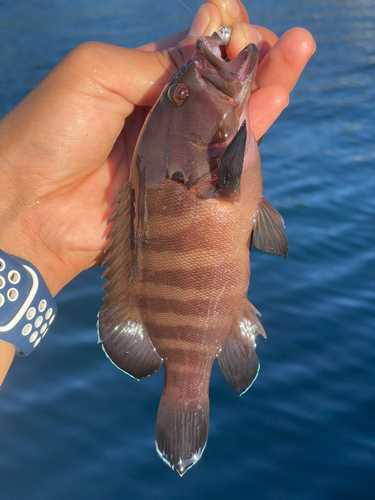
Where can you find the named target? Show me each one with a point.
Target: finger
(92, 90)
(267, 41)
(284, 63)
(266, 105)
(207, 20)
(231, 11)
(166, 42)
(243, 34)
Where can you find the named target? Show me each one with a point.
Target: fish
(177, 257)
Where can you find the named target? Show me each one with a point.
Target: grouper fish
(178, 254)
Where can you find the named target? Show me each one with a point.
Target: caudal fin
(181, 432)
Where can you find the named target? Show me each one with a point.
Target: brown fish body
(192, 280)
(178, 260)
(193, 272)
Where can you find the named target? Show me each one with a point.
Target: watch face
(15, 286)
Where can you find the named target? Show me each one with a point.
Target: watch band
(27, 307)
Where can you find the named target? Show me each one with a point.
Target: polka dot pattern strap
(27, 308)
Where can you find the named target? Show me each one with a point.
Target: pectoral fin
(124, 338)
(230, 167)
(237, 358)
(268, 233)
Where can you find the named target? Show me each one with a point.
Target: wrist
(19, 236)
(22, 235)
(27, 308)
(6, 357)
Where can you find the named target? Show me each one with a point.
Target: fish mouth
(231, 77)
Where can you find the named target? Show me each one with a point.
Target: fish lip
(232, 78)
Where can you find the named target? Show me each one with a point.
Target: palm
(77, 231)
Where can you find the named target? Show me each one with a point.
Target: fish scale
(178, 254)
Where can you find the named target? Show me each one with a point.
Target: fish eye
(178, 177)
(178, 93)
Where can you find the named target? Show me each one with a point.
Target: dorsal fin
(124, 338)
(268, 233)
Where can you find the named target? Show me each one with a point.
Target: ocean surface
(72, 426)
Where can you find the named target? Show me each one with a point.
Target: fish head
(199, 111)
(209, 93)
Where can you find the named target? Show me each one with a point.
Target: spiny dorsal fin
(268, 233)
(124, 338)
(237, 358)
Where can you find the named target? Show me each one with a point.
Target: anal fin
(268, 233)
(237, 358)
(124, 338)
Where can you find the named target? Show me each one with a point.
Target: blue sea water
(72, 426)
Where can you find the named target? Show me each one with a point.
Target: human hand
(66, 148)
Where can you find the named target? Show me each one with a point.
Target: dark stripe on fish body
(169, 259)
(184, 242)
(205, 278)
(190, 333)
(186, 306)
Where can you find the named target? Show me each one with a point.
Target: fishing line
(184, 4)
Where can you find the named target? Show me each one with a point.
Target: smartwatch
(27, 308)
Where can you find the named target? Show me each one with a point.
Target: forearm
(20, 235)
(17, 238)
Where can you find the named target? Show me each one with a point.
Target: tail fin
(181, 432)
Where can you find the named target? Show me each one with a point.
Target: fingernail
(249, 34)
(255, 36)
(200, 23)
(233, 8)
